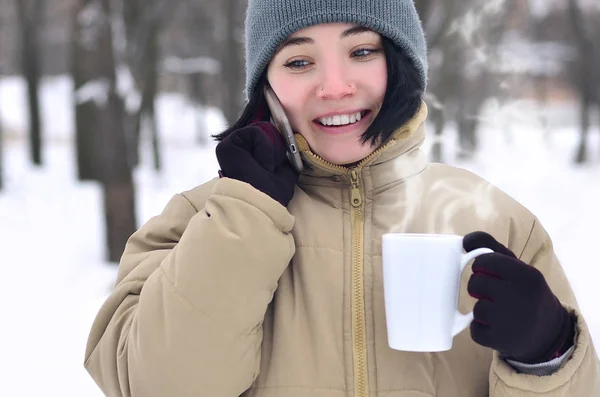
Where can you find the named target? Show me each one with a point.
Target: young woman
(264, 282)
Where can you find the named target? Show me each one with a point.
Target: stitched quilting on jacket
(228, 293)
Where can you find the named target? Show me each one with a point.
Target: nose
(335, 83)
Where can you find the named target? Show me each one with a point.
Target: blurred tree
(463, 41)
(443, 88)
(201, 22)
(203, 50)
(586, 75)
(1, 125)
(596, 33)
(541, 81)
(144, 20)
(574, 25)
(96, 88)
(232, 58)
(83, 71)
(595, 26)
(450, 31)
(483, 80)
(29, 14)
(455, 91)
(1, 158)
(437, 17)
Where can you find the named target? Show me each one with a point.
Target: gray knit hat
(270, 22)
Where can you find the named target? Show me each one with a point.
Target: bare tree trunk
(29, 21)
(147, 113)
(232, 61)
(133, 151)
(143, 23)
(542, 81)
(155, 135)
(586, 77)
(471, 94)
(437, 147)
(204, 19)
(451, 11)
(133, 12)
(200, 124)
(117, 179)
(1, 140)
(197, 94)
(150, 92)
(584, 116)
(596, 77)
(467, 138)
(424, 9)
(1, 158)
(437, 18)
(83, 71)
(447, 79)
(97, 89)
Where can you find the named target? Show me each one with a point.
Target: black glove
(517, 314)
(256, 155)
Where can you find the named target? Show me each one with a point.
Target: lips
(353, 128)
(341, 118)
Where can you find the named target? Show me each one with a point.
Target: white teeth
(341, 119)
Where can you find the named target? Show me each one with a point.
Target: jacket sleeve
(578, 376)
(185, 317)
(542, 369)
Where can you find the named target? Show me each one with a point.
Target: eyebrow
(353, 31)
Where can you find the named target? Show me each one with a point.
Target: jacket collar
(397, 159)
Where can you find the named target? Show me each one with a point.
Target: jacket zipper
(359, 344)
(359, 340)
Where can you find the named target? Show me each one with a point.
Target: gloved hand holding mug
(517, 314)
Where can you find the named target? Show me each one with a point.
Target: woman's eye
(298, 64)
(364, 52)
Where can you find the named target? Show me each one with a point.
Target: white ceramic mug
(421, 280)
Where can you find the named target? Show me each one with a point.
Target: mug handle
(462, 321)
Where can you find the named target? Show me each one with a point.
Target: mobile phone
(280, 120)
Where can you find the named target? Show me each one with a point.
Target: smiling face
(331, 80)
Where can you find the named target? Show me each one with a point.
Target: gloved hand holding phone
(256, 154)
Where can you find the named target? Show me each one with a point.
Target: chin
(350, 161)
(343, 161)
(340, 153)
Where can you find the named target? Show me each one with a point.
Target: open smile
(344, 123)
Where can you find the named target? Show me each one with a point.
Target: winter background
(52, 230)
(52, 235)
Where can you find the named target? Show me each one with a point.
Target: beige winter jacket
(228, 293)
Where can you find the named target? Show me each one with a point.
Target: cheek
(293, 95)
(378, 80)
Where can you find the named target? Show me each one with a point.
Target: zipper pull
(355, 197)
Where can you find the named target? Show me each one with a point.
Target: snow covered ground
(51, 227)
